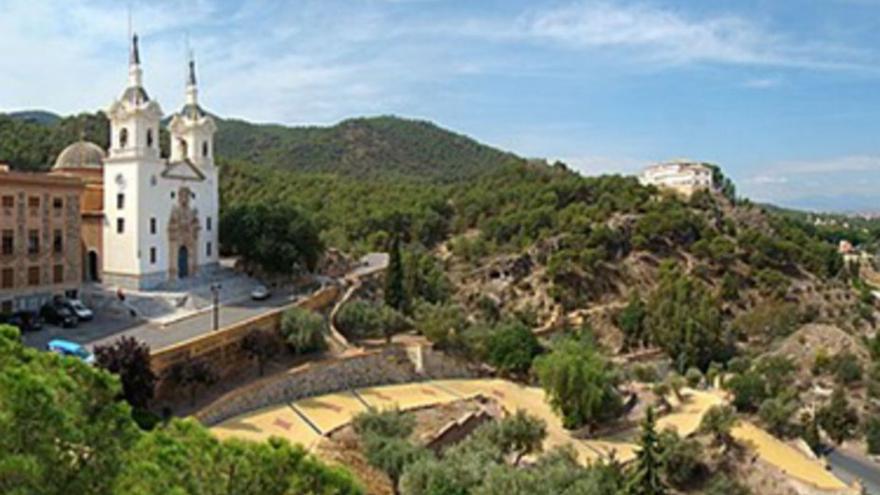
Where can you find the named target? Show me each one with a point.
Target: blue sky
(784, 94)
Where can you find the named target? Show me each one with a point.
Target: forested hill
(387, 147)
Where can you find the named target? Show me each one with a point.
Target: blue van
(67, 348)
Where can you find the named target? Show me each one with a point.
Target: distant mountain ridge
(372, 147)
(37, 116)
(369, 147)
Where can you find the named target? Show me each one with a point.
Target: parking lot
(106, 328)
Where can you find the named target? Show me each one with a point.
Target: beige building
(85, 161)
(40, 238)
(682, 176)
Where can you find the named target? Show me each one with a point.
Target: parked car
(261, 293)
(57, 313)
(79, 309)
(67, 348)
(25, 320)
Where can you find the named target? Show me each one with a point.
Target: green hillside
(364, 147)
(32, 140)
(388, 147)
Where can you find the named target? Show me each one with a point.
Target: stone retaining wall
(387, 366)
(390, 365)
(222, 349)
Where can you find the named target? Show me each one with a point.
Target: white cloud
(667, 36)
(763, 82)
(767, 179)
(843, 182)
(849, 163)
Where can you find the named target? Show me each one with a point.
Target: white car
(79, 309)
(260, 293)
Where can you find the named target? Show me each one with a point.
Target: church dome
(81, 154)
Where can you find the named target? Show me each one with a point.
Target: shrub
(693, 377)
(512, 347)
(847, 369)
(130, 359)
(192, 375)
(580, 385)
(723, 485)
(363, 319)
(682, 459)
(748, 390)
(777, 413)
(389, 423)
(837, 418)
(303, 330)
(645, 373)
(872, 435)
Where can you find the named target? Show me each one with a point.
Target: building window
(33, 202)
(152, 225)
(153, 255)
(8, 242)
(58, 274)
(205, 149)
(8, 201)
(57, 204)
(123, 138)
(120, 201)
(33, 241)
(6, 307)
(8, 278)
(149, 138)
(208, 248)
(208, 224)
(33, 275)
(57, 241)
(120, 225)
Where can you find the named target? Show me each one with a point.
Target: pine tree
(645, 478)
(395, 293)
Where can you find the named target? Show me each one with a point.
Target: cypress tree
(646, 475)
(395, 293)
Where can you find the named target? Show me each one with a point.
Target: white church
(160, 215)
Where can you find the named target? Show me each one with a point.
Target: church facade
(160, 214)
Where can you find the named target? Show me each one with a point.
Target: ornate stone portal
(183, 237)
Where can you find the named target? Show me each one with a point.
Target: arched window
(149, 138)
(183, 148)
(205, 148)
(123, 138)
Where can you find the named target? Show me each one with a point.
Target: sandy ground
(791, 461)
(308, 420)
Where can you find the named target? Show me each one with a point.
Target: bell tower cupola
(134, 117)
(192, 129)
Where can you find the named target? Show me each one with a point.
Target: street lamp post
(215, 289)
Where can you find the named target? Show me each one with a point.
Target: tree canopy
(65, 429)
(579, 384)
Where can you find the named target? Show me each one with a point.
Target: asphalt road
(158, 336)
(106, 328)
(850, 468)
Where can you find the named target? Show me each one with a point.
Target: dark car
(76, 307)
(58, 314)
(26, 321)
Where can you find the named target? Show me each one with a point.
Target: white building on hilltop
(682, 176)
(160, 214)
